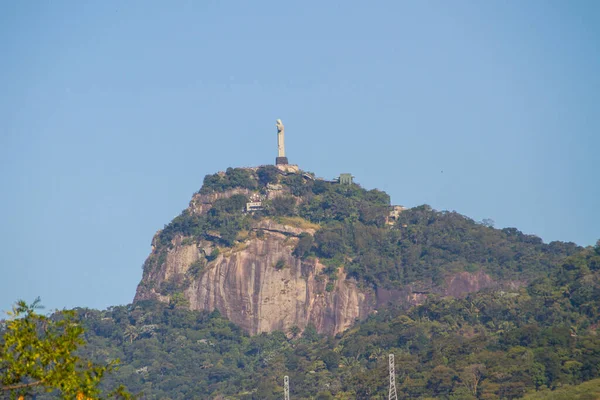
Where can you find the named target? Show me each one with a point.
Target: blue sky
(112, 112)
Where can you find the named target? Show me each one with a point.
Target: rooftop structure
(345, 179)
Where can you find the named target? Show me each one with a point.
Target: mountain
(273, 248)
(272, 271)
(540, 340)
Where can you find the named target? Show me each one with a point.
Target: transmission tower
(286, 387)
(393, 395)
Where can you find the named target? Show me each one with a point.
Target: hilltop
(275, 247)
(271, 271)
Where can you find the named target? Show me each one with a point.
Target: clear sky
(112, 112)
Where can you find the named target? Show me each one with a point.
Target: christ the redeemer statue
(281, 158)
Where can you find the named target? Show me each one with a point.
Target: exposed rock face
(456, 285)
(249, 289)
(263, 287)
(272, 226)
(462, 283)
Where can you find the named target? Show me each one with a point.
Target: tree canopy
(495, 344)
(39, 353)
(537, 336)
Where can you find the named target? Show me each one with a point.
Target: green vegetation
(422, 247)
(280, 264)
(282, 206)
(223, 221)
(539, 341)
(305, 244)
(586, 391)
(489, 345)
(233, 178)
(267, 174)
(38, 354)
(213, 254)
(197, 268)
(426, 245)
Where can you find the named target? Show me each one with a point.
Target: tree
(441, 380)
(304, 245)
(178, 300)
(284, 206)
(331, 360)
(131, 333)
(471, 377)
(294, 330)
(39, 352)
(267, 174)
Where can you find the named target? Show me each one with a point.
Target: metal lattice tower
(393, 395)
(286, 387)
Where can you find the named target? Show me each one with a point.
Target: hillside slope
(274, 249)
(489, 345)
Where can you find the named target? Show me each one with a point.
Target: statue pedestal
(281, 161)
(288, 168)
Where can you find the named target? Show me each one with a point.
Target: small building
(345, 179)
(254, 206)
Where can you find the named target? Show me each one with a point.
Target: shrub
(196, 268)
(267, 174)
(297, 185)
(283, 205)
(234, 177)
(213, 254)
(304, 245)
(280, 264)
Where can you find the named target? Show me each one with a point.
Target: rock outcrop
(262, 286)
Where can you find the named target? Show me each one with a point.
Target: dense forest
(535, 339)
(539, 340)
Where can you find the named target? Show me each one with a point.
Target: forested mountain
(489, 345)
(271, 249)
(529, 324)
(354, 230)
(272, 272)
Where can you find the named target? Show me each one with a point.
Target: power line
(286, 387)
(393, 395)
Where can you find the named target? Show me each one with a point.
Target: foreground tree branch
(21, 386)
(37, 351)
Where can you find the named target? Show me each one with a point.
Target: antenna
(393, 395)
(286, 387)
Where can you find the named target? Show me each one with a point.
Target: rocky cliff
(260, 285)
(258, 282)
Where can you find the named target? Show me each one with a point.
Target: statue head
(279, 125)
